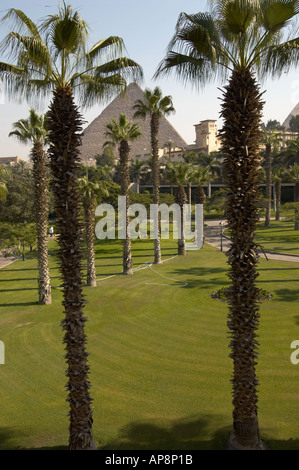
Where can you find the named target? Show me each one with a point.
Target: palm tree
(212, 162)
(120, 133)
(179, 174)
(189, 156)
(169, 145)
(293, 173)
(190, 180)
(201, 176)
(277, 175)
(169, 175)
(34, 130)
(155, 105)
(54, 58)
(291, 153)
(91, 192)
(238, 38)
(271, 141)
(136, 170)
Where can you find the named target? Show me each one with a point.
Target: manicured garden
(159, 358)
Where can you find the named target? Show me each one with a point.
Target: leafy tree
(14, 237)
(54, 58)
(155, 105)
(19, 204)
(272, 125)
(107, 158)
(33, 129)
(3, 187)
(120, 133)
(238, 38)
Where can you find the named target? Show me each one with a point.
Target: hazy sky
(146, 27)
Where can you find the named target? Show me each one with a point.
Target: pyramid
(294, 112)
(93, 136)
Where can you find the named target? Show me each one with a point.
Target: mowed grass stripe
(159, 365)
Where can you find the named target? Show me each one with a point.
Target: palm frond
(113, 45)
(20, 22)
(278, 14)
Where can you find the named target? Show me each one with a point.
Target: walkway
(6, 261)
(212, 237)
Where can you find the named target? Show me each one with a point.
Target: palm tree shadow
(185, 434)
(190, 433)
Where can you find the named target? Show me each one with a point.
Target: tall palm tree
(54, 58)
(277, 175)
(201, 176)
(271, 141)
(169, 145)
(169, 175)
(179, 174)
(293, 174)
(120, 133)
(291, 152)
(34, 130)
(91, 192)
(238, 38)
(212, 162)
(136, 170)
(155, 105)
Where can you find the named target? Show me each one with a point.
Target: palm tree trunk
(38, 157)
(189, 193)
(156, 177)
(200, 198)
(278, 199)
(241, 110)
(124, 152)
(268, 184)
(65, 126)
(181, 200)
(296, 199)
(89, 210)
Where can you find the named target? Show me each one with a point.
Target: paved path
(6, 261)
(212, 237)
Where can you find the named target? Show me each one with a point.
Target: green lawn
(160, 370)
(279, 237)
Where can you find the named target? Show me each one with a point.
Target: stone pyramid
(93, 136)
(294, 112)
